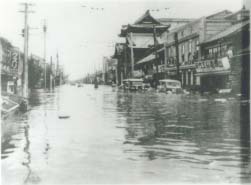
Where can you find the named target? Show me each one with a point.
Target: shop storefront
(213, 74)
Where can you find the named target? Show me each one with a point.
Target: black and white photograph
(125, 92)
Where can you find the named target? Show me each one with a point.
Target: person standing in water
(95, 83)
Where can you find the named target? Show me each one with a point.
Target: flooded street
(118, 137)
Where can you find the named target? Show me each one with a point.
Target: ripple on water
(155, 136)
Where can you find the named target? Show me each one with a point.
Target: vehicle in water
(134, 84)
(80, 85)
(170, 86)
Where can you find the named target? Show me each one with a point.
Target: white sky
(83, 36)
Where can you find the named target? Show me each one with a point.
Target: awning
(146, 59)
(213, 73)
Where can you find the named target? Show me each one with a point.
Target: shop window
(215, 53)
(216, 64)
(210, 53)
(212, 64)
(223, 50)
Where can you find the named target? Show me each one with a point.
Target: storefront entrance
(211, 83)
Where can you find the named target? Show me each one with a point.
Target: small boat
(170, 86)
(63, 116)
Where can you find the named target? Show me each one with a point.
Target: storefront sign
(213, 65)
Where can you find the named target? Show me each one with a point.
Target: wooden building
(140, 37)
(225, 58)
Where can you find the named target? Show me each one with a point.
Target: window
(197, 45)
(182, 33)
(183, 49)
(215, 52)
(223, 50)
(190, 46)
(239, 17)
(219, 51)
(174, 51)
(210, 53)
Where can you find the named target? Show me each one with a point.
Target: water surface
(121, 137)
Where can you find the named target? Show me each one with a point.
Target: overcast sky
(82, 36)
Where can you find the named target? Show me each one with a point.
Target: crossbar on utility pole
(26, 35)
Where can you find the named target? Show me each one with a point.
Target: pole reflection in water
(245, 143)
(114, 136)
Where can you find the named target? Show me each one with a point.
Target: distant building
(110, 73)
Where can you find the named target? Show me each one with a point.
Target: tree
(35, 73)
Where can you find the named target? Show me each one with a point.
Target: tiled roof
(148, 16)
(232, 29)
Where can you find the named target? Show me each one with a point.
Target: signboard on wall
(213, 65)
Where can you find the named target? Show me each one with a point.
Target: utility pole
(132, 56)
(58, 73)
(44, 30)
(51, 74)
(155, 42)
(177, 55)
(26, 35)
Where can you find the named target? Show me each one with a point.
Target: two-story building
(140, 38)
(225, 57)
(181, 48)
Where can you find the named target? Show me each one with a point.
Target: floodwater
(127, 137)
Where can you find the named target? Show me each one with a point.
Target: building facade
(225, 58)
(206, 54)
(140, 38)
(11, 68)
(185, 50)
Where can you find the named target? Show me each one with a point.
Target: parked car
(133, 84)
(170, 86)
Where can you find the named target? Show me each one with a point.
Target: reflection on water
(245, 144)
(122, 137)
